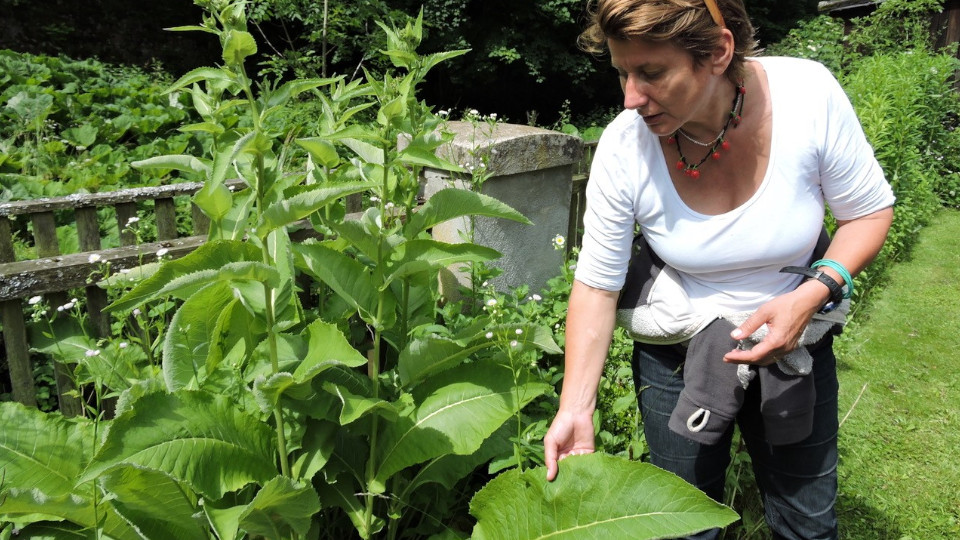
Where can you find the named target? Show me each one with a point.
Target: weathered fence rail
(54, 274)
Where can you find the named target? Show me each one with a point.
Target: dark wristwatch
(836, 290)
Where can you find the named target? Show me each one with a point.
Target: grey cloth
(653, 308)
(713, 393)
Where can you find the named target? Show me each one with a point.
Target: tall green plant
(260, 403)
(269, 417)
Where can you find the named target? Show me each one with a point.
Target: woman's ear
(723, 52)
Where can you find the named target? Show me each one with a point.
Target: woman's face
(662, 83)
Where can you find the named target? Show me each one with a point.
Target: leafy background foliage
(529, 44)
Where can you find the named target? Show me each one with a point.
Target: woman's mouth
(652, 118)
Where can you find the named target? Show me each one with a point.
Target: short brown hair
(686, 23)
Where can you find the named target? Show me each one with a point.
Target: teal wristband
(847, 278)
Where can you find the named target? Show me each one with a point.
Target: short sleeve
(608, 222)
(852, 180)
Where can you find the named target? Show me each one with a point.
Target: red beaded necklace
(716, 144)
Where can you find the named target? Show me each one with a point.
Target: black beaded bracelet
(836, 290)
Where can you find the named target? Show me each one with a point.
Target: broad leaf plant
(304, 389)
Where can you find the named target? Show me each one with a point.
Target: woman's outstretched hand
(570, 434)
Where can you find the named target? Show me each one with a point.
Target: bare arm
(854, 245)
(590, 321)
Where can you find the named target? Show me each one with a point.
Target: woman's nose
(634, 93)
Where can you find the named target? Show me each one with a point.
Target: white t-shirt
(731, 262)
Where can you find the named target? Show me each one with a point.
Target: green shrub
(70, 126)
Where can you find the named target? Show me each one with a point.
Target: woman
(726, 163)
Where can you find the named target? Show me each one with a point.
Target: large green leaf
(186, 285)
(238, 45)
(183, 163)
(159, 506)
(354, 407)
(201, 74)
(360, 234)
(421, 255)
(316, 447)
(484, 392)
(47, 530)
(210, 256)
(327, 347)
(41, 451)
(186, 345)
(423, 357)
(196, 438)
(78, 508)
(452, 203)
(350, 279)
(321, 150)
(594, 497)
(305, 203)
(280, 508)
(291, 89)
(41, 457)
(448, 470)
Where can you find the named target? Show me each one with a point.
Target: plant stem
(269, 294)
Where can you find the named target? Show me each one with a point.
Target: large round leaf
(594, 497)
(196, 438)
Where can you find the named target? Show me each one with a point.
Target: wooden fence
(54, 275)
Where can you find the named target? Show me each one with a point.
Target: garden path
(900, 399)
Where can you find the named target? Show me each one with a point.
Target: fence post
(45, 238)
(88, 235)
(530, 169)
(15, 332)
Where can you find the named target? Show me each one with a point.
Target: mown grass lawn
(900, 399)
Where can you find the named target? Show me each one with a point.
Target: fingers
(550, 457)
(751, 325)
(762, 355)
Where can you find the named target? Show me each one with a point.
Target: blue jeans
(798, 482)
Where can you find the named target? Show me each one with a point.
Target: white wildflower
(132, 221)
(34, 300)
(489, 335)
(513, 343)
(559, 242)
(519, 331)
(123, 345)
(136, 312)
(94, 257)
(493, 116)
(162, 251)
(388, 206)
(492, 302)
(536, 298)
(93, 352)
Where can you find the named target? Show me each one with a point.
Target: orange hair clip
(715, 12)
